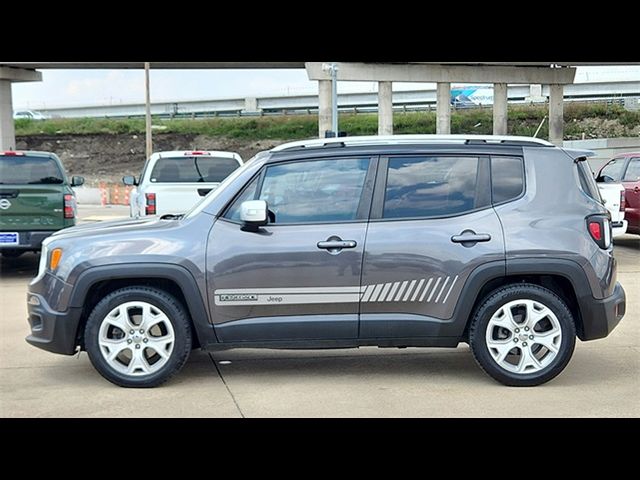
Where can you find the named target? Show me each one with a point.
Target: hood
(114, 226)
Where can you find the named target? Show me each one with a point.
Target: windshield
(198, 207)
(25, 169)
(192, 169)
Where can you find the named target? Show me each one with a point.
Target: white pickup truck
(613, 197)
(173, 182)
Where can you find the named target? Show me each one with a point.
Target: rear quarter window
(507, 178)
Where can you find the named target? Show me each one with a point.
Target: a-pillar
(7, 131)
(385, 108)
(556, 117)
(324, 107)
(499, 108)
(443, 109)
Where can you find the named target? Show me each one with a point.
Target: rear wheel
(522, 335)
(138, 337)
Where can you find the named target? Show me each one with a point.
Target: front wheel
(138, 337)
(522, 335)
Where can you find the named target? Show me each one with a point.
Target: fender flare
(176, 273)
(484, 273)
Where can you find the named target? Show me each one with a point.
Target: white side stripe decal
(426, 289)
(392, 292)
(435, 287)
(415, 294)
(381, 292)
(401, 291)
(450, 288)
(376, 292)
(367, 293)
(406, 295)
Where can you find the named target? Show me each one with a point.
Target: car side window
(507, 178)
(432, 186)
(633, 171)
(613, 170)
(316, 191)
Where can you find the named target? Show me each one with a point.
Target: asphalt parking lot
(603, 378)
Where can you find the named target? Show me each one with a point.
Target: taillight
(150, 209)
(599, 228)
(622, 201)
(69, 206)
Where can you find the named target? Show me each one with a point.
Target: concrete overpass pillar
(7, 76)
(500, 109)
(443, 109)
(251, 105)
(324, 107)
(385, 108)
(7, 131)
(556, 117)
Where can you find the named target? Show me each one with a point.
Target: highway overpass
(407, 100)
(554, 75)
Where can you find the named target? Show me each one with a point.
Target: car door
(431, 225)
(298, 278)
(631, 182)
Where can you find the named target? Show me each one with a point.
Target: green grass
(523, 120)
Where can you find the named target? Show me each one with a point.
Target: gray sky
(96, 87)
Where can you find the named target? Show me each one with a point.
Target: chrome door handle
(470, 237)
(337, 244)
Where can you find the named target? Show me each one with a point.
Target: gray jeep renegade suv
(402, 241)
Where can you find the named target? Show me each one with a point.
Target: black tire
(491, 304)
(174, 311)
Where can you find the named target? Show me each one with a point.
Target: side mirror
(254, 214)
(77, 181)
(129, 180)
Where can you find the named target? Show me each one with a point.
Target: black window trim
(381, 186)
(524, 179)
(364, 205)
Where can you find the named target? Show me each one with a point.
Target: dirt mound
(108, 157)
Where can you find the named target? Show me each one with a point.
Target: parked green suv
(36, 200)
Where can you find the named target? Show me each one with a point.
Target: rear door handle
(470, 237)
(337, 244)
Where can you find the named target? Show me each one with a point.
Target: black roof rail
(511, 143)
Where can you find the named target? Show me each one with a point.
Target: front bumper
(50, 330)
(29, 241)
(600, 317)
